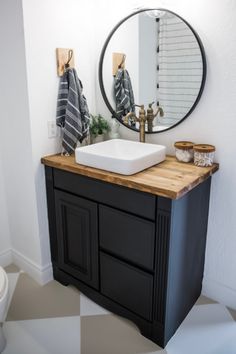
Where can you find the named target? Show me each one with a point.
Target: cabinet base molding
(147, 329)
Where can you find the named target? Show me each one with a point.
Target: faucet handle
(139, 105)
(150, 109)
(150, 104)
(160, 111)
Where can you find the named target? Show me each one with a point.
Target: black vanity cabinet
(137, 254)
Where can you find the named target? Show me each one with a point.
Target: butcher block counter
(171, 179)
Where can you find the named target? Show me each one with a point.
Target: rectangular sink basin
(120, 156)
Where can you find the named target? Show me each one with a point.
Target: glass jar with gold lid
(203, 154)
(184, 151)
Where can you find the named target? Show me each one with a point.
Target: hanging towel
(72, 111)
(123, 91)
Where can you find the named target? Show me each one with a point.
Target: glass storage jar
(184, 151)
(203, 154)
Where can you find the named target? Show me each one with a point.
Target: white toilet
(4, 297)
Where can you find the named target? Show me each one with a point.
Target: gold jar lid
(184, 145)
(204, 148)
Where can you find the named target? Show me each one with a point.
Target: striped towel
(72, 111)
(124, 96)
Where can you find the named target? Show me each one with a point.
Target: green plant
(98, 125)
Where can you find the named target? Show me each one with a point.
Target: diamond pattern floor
(54, 319)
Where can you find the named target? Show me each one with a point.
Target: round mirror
(153, 58)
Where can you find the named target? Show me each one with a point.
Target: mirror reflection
(155, 59)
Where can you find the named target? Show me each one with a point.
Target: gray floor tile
(32, 301)
(12, 268)
(109, 334)
(203, 300)
(232, 312)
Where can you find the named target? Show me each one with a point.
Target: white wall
(213, 121)
(148, 43)
(15, 137)
(30, 33)
(48, 25)
(120, 43)
(5, 242)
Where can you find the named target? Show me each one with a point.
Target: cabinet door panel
(76, 220)
(127, 285)
(127, 236)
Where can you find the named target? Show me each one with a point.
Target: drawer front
(139, 203)
(127, 236)
(127, 285)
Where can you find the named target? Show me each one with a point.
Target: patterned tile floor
(54, 319)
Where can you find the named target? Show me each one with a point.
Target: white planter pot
(98, 138)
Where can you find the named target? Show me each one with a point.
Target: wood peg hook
(122, 61)
(65, 59)
(118, 62)
(70, 55)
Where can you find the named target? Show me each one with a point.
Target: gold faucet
(151, 115)
(141, 119)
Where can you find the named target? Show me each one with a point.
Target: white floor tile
(89, 308)
(44, 336)
(208, 329)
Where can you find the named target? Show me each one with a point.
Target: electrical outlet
(53, 130)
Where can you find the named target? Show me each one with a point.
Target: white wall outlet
(53, 129)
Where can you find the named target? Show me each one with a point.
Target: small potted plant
(98, 127)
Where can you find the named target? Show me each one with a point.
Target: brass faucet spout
(126, 118)
(160, 111)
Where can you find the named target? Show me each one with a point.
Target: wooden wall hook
(64, 56)
(118, 60)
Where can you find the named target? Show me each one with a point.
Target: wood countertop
(171, 179)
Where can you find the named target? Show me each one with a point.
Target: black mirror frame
(100, 69)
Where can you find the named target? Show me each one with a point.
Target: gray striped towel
(72, 111)
(123, 91)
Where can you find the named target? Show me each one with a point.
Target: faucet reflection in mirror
(143, 118)
(151, 115)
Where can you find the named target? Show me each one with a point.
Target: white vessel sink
(120, 156)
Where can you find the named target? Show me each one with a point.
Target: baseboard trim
(219, 292)
(6, 257)
(41, 275)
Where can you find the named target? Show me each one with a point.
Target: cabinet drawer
(127, 285)
(139, 203)
(127, 236)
